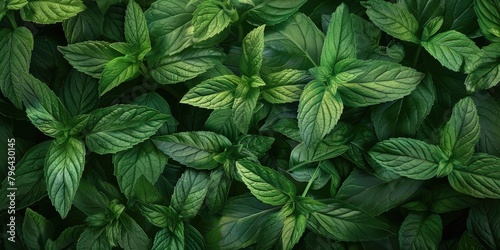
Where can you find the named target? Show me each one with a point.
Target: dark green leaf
(68, 237)
(132, 236)
(156, 101)
(488, 111)
(90, 200)
(85, 26)
(93, 238)
(272, 12)
(80, 93)
(487, 71)
(293, 228)
(271, 231)
(420, 231)
(445, 199)
(483, 222)
(218, 190)
(221, 121)
(190, 192)
(36, 230)
(257, 144)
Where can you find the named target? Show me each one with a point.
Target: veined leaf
(266, 184)
(253, 47)
(47, 12)
(453, 49)
(69, 236)
(120, 127)
(165, 239)
(15, 4)
(93, 238)
(85, 26)
(245, 101)
(271, 231)
(132, 236)
(285, 86)
(117, 71)
(424, 11)
(156, 101)
(89, 57)
(461, 133)
(340, 42)
(488, 14)
(37, 230)
(483, 222)
(408, 157)
(63, 169)
(184, 66)
(487, 72)
(378, 82)
(193, 238)
(272, 12)
(136, 30)
(89, 199)
(420, 231)
(394, 19)
(256, 144)
(15, 57)
(324, 150)
(190, 192)
(214, 93)
(193, 149)
(293, 228)
(221, 121)
(480, 178)
(218, 190)
(319, 111)
(114, 26)
(80, 93)
(488, 111)
(445, 199)
(209, 19)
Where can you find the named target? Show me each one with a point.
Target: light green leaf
(420, 231)
(16, 4)
(266, 184)
(483, 223)
(136, 30)
(36, 230)
(272, 12)
(378, 82)
(394, 19)
(15, 57)
(43, 108)
(319, 111)
(120, 127)
(194, 149)
(480, 178)
(185, 65)
(165, 239)
(143, 159)
(432, 27)
(340, 42)
(245, 101)
(488, 14)
(408, 157)
(47, 12)
(190, 192)
(487, 71)
(285, 86)
(89, 57)
(253, 47)
(209, 19)
(63, 170)
(461, 133)
(117, 71)
(132, 236)
(293, 228)
(86, 26)
(453, 50)
(214, 93)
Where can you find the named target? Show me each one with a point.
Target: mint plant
(250, 124)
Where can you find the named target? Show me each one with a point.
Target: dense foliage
(259, 124)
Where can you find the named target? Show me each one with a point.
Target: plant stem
(144, 70)
(240, 33)
(416, 57)
(309, 184)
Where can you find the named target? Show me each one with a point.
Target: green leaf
(245, 101)
(319, 111)
(488, 111)
(296, 43)
(403, 117)
(185, 65)
(193, 238)
(132, 236)
(47, 12)
(453, 49)
(340, 42)
(460, 16)
(488, 14)
(307, 174)
(218, 190)
(15, 57)
(272, 12)
(16, 4)
(155, 101)
(194, 149)
(293, 228)
(343, 222)
(271, 231)
(159, 215)
(165, 239)
(244, 213)
(394, 19)
(285, 86)
(432, 27)
(36, 230)
(169, 24)
(80, 93)
(483, 223)
(445, 199)
(221, 121)
(424, 11)
(214, 93)
(114, 26)
(117, 71)
(89, 199)
(487, 72)
(257, 144)
(69, 236)
(136, 30)
(120, 127)
(469, 242)
(420, 231)
(480, 178)
(408, 157)
(461, 133)
(253, 47)
(190, 192)
(266, 184)
(93, 238)
(89, 57)
(85, 26)
(324, 150)
(143, 159)
(63, 171)
(375, 195)
(209, 19)
(378, 82)
(43, 108)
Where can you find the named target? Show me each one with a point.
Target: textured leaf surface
(209, 19)
(420, 231)
(214, 93)
(190, 192)
(47, 12)
(484, 221)
(116, 72)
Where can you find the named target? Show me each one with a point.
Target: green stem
(240, 33)
(12, 20)
(417, 55)
(144, 70)
(309, 184)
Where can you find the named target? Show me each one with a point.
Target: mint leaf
(487, 72)
(120, 127)
(117, 71)
(432, 27)
(272, 12)
(36, 230)
(16, 4)
(14, 58)
(488, 14)
(319, 111)
(165, 239)
(80, 93)
(285, 86)
(214, 93)
(453, 50)
(218, 190)
(420, 231)
(193, 149)
(480, 178)
(47, 12)
(189, 193)
(256, 144)
(293, 228)
(408, 157)
(209, 19)
(155, 101)
(488, 110)
(89, 57)
(340, 42)
(85, 26)
(221, 121)
(271, 231)
(93, 238)
(394, 19)
(253, 47)
(245, 101)
(63, 170)
(159, 215)
(68, 236)
(324, 150)
(132, 236)
(89, 199)
(266, 184)
(136, 30)
(445, 199)
(482, 223)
